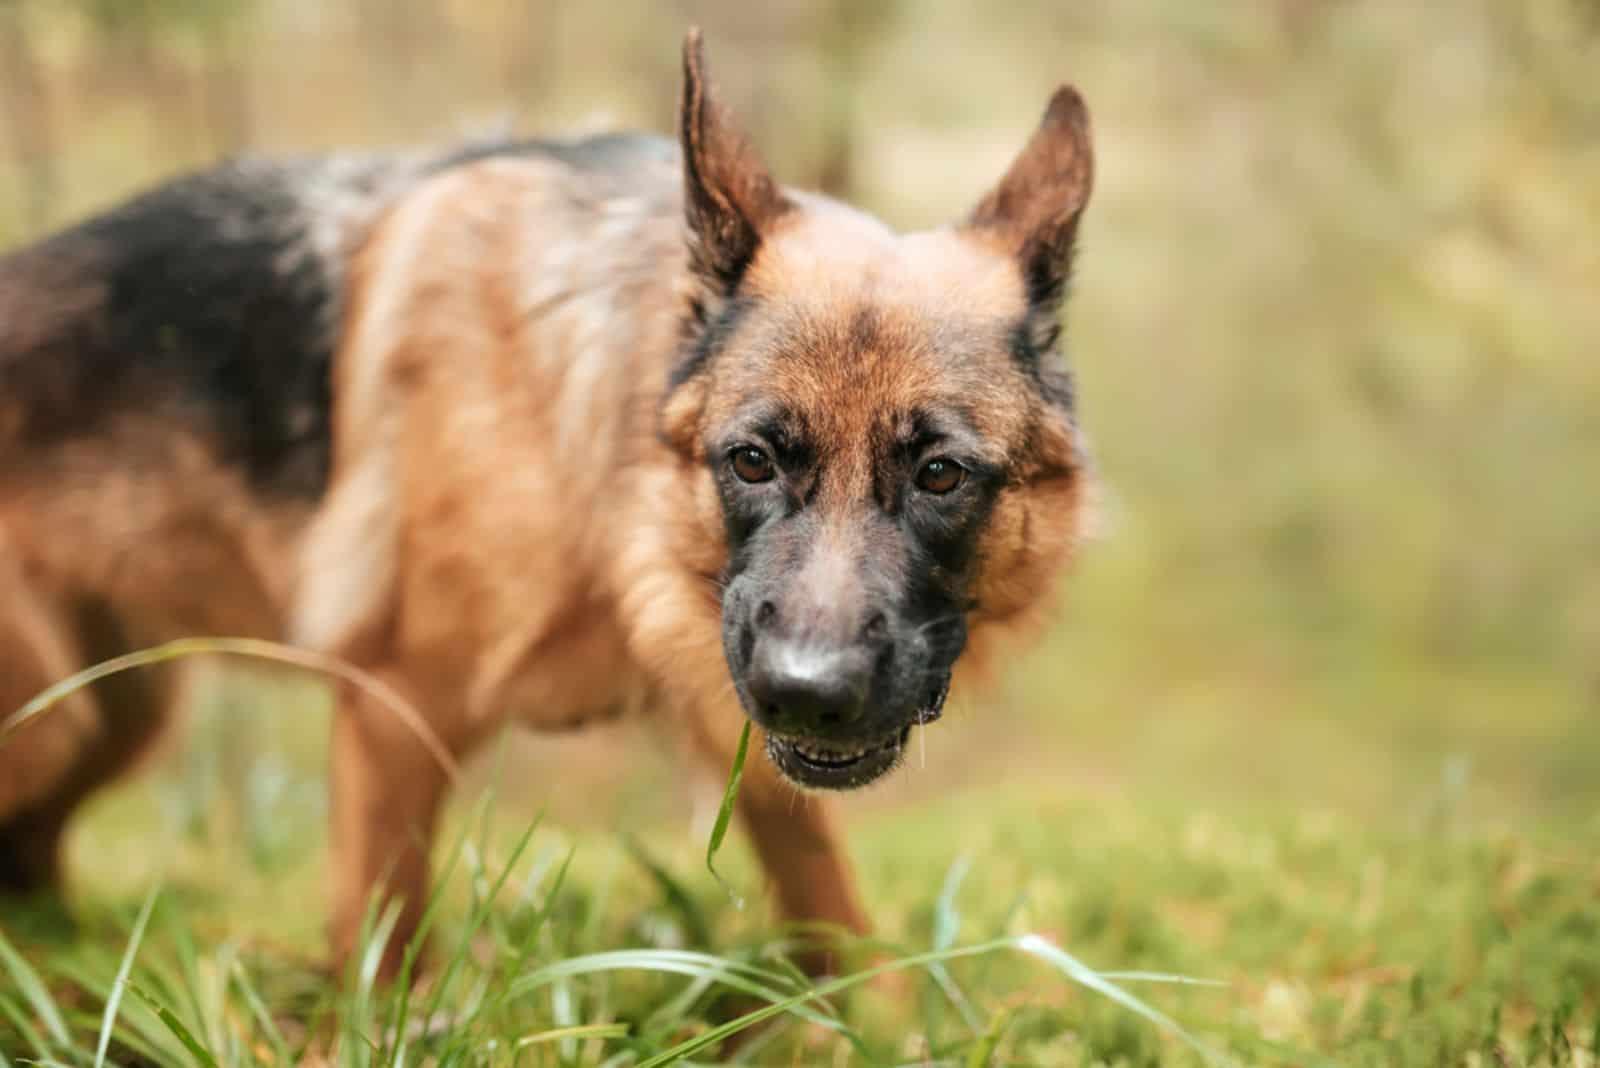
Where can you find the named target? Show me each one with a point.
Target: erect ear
(729, 196)
(1033, 213)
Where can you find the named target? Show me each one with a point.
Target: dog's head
(888, 428)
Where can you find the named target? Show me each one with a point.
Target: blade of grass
(175, 1025)
(946, 926)
(502, 921)
(643, 959)
(564, 1011)
(120, 983)
(594, 915)
(377, 927)
(671, 1013)
(732, 1027)
(530, 939)
(263, 1018)
(254, 648)
(1082, 974)
(946, 919)
(475, 921)
(188, 980)
(1161, 977)
(160, 982)
(137, 1030)
(13, 1012)
(745, 978)
(35, 993)
(414, 949)
(1033, 945)
(217, 1021)
(719, 830)
(982, 1052)
(372, 955)
(542, 916)
(606, 1030)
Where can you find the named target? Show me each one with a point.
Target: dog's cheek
(1001, 550)
(1027, 543)
(682, 418)
(705, 545)
(1036, 525)
(693, 508)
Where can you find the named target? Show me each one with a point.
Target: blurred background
(1336, 324)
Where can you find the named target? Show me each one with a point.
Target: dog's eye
(751, 464)
(940, 476)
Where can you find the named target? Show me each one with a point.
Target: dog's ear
(729, 196)
(1033, 213)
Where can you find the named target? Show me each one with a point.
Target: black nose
(808, 688)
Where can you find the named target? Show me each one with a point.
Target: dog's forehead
(861, 333)
(830, 252)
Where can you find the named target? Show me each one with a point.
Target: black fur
(1034, 349)
(213, 299)
(196, 285)
(703, 339)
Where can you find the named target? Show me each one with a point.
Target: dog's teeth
(828, 755)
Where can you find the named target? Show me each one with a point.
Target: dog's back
(213, 300)
(166, 435)
(216, 301)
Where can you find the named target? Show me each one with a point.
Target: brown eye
(751, 464)
(940, 476)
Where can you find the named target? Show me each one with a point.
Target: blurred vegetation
(1337, 326)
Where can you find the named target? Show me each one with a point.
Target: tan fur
(80, 584)
(522, 524)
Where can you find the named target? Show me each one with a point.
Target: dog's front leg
(387, 787)
(797, 840)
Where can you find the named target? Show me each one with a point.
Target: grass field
(1319, 725)
(1433, 932)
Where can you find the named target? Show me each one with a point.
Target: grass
(484, 1002)
(371, 1023)
(1041, 923)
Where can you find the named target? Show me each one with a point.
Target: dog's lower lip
(827, 764)
(830, 756)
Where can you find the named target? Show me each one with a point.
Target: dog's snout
(805, 688)
(814, 648)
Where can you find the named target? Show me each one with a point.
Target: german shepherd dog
(540, 431)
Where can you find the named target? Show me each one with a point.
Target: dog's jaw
(818, 764)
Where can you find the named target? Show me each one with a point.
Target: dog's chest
(576, 673)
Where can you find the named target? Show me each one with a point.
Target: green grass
(1270, 934)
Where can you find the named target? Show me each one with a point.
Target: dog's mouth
(831, 764)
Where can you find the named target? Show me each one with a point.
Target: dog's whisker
(939, 621)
